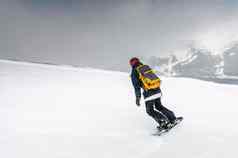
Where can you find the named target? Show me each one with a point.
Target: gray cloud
(107, 33)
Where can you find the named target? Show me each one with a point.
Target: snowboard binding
(167, 126)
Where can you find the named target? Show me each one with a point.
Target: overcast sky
(106, 33)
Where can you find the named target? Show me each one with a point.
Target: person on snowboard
(142, 76)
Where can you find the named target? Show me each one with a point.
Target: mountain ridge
(201, 64)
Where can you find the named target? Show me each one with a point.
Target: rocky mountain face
(231, 61)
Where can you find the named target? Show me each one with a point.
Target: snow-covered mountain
(163, 65)
(65, 112)
(199, 63)
(203, 64)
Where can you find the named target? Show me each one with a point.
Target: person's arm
(136, 85)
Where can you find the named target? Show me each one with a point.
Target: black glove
(138, 101)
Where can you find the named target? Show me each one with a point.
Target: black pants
(157, 111)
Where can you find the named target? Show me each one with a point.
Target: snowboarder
(142, 76)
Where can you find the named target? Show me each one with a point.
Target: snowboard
(162, 131)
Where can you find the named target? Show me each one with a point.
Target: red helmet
(134, 61)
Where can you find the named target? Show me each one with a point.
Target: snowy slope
(65, 112)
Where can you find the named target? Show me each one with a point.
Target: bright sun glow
(213, 42)
(216, 40)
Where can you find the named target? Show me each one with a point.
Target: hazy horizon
(106, 34)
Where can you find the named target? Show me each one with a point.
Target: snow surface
(65, 112)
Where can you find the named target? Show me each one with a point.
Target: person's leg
(168, 113)
(157, 116)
